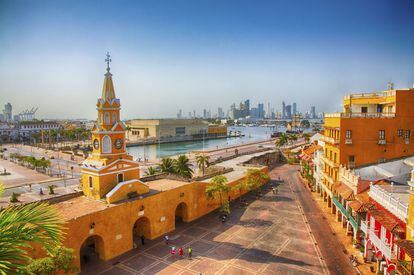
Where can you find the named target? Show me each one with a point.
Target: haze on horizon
(170, 55)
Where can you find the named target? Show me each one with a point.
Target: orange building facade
(373, 128)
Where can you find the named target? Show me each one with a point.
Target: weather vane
(107, 60)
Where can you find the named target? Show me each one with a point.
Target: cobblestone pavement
(270, 236)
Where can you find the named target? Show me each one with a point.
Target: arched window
(114, 118)
(107, 119)
(106, 145)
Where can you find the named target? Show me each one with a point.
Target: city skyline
(187, 56)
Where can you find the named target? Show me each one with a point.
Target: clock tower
(109, 168)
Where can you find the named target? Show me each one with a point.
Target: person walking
(167, 240)
(173, 250)
(180, 252)
(190, 252)
(273, 190)
(142, 240)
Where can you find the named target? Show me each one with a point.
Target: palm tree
(282, 140)
(167, 165)
(23, 225)
(203, 162)
(293, 137)
(151, 171)
(182, 167)
(218, 188)
(255, 178)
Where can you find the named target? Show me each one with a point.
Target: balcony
(328, 178)
(382, 142)
(390, 200)
(380, 244)
(360, 115)
(353, 222)
(330, 140)
(364, 227)
(330, 162)
(340, 207)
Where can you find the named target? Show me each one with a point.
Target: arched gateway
(91, 252)
(141, 228)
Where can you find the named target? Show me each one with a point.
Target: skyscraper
(288, 111)
(8, 112)
(283, 110)
(260, 106)
(313, 112)
(294, 111)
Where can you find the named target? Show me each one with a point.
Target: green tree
(305, 124)
(61, 259)
(23, 225)
(167, 165)
(218, 188)
(151, 171)
(282, 140)
(241, 187)
(203, 161)
(255, 178)
(182, 167)
(293, 137)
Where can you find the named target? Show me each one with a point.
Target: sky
(200, 54)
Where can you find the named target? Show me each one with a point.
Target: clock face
(118, 143)
(96, 144)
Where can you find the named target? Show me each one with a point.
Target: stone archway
(141, 228)
(91, 252)
(181, 213)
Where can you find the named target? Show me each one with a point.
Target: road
(331, 248)
(35, 187)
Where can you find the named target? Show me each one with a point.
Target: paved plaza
(270, 236)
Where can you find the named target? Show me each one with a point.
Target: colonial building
(116, 207)
(372, 128)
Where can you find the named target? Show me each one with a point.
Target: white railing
(330, 162)
(330, 140)
(360, 115)
(364, 227)
(390, 202)
(380, 244)
(368, 95)
(332, 115)
(328, 178)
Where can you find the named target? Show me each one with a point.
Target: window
(399, 132)
(381, 134)
(335, 157)
(114, 118)
(351, 159)
(407, 134)
(106, 145)
(348, 134)
(90, 182)
(364, 110)
(180, 130)
(120, 178)
(107, 119)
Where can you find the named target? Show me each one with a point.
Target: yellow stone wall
(114, 225)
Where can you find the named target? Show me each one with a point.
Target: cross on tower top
(107, 60)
